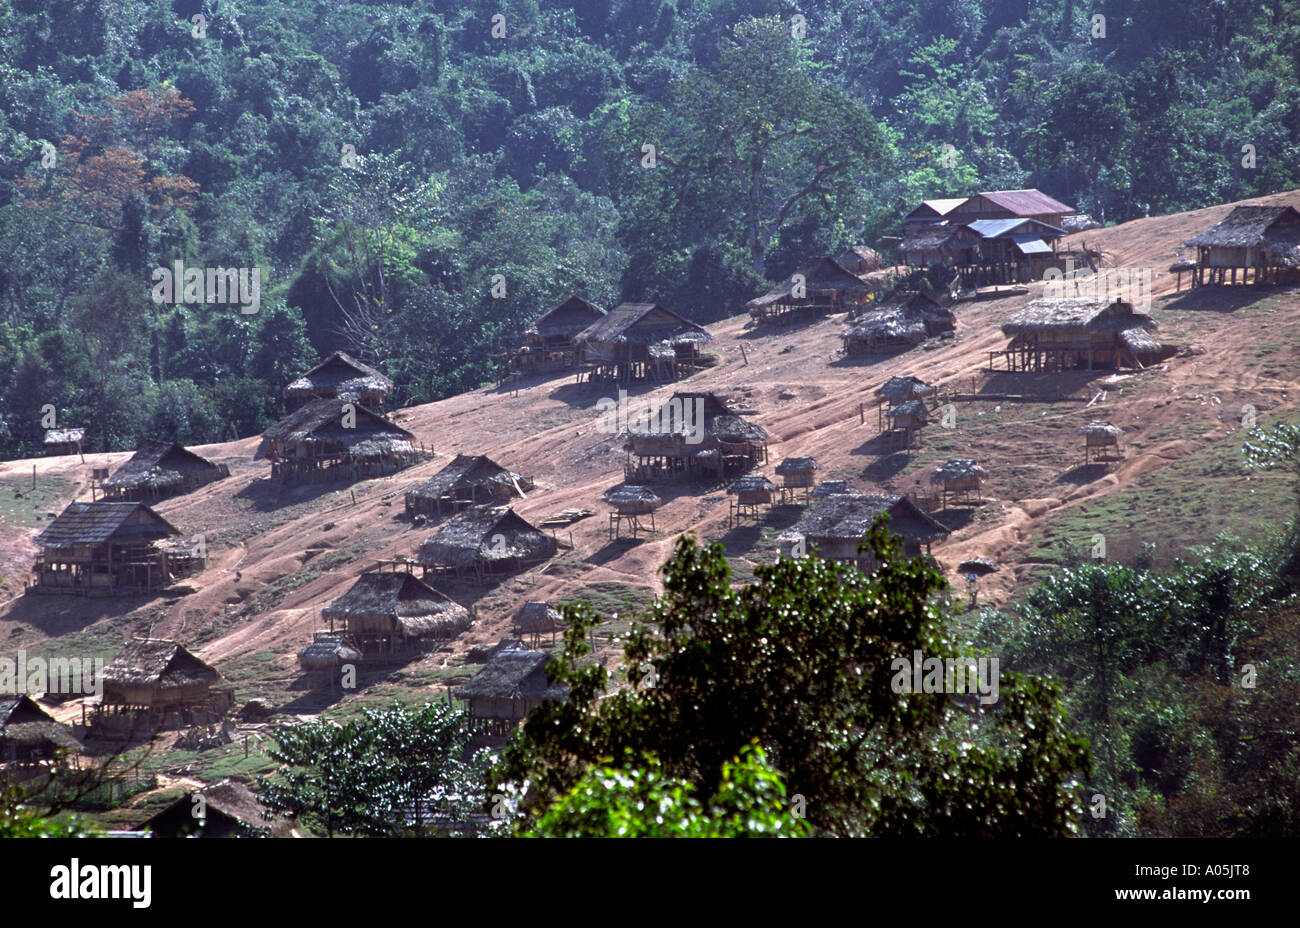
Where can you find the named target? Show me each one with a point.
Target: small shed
(797, 474)
(327, 655)
(468, 480)
(65, 441)
(389, 614)
(159, 469)
(860, 259)
(961, 477)
(692, 435)
(1180, 267)
(341, 376)
(1264, 240)
(617, 346)
(484, 540)
(30, 735)
(1099, 438)
(337, 439)
(818, 286)
(630, 503)
(752, 492)
(159, 677)
(1052, 335)
(535, 619)
(103, 548)
(907, 318)
(837, 524)
(907, 419)
(225, 809)
(510, 685)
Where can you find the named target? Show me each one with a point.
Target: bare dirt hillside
(276, 557)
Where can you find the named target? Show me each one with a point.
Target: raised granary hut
(391, 614)
(468, 480)
(819, 286)
(549, 344)
(1101, 442)
(337, 439)
(1263, 242)
(907, 318)
(341, 376)
(693, 435)
(798, 475)
(536, 619)
(906, 420)
(484, 540)
(752, 492)
(629, 504)
(157, 682)
(961, 478)
(838, 524)
(1067, 334)
(327, 654)
(106, 549)
(510, 685)
(29, 735)
(159, 469)
(640, 341)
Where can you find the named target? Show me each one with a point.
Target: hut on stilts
(160, 469)
(797, 478)
(483, 541)
(906, 421)
(470, 479)
(326, 656)
(549, 342)
(65, 441)
(860, 259)
(629, 504)
(898, 390)
(341, 376)
(510, 685)
(155, 683)
(30, 736)
(838, 523)
(639, 341)
(391, 614)
(752, 492)
(1101, 443)
(818, 287)
(1263, 242)
(906, 319)
(337, 439)
(536, 619)
(693, 435)
(961, 478)
(1053, 335)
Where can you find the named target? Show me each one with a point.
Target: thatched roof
(158, 663)
(568, 318)
(514, 675)
(790, 466)
(339, 375)
(485, 534)
(868, 258)
(753, 483)
(908, 315)
(468, 472)
(833, 488)
(820, 274)
(642, 324)
(628, 497)
(1274, 228)
(844, 517)
(95, 523)
(327, 652)
(978, 565)
(1076, 315)
(912, 409)
(21, 709)
(1100, 429)
(899, 389)
(158, 464)
(719, 423)
(24, 723)
(321, 421)
(957, 469)
(400, 601)
(937, 237)
(64, 436)
(226, 798)
(535, 617)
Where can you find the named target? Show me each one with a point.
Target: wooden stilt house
(155, 682)
(640, 341)
(510, 685)
(1262, 242)
(549, 344)
(393, 614)
(906, 421)
(159, 469)
(536, 619)
(30, 735)
(752, 492)
(838, 524)
(1101, 442)
(693, 435)
(630, 503)
(106, 548)
(341, 376)
(470, 479)
(961, 478)
(819, 286)
(485, 540)
(797, 477)
(337, 439)
(1064, 334)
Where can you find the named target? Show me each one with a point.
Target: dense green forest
(381, 163)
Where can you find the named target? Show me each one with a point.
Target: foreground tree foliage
(799, 662)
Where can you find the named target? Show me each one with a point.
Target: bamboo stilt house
(1259, 240)
(337, 439)
(837, 525)
(159, 469)
(341, 376)
(549, 342)
(907, 318)
(797, 474)
(485, 540)
(630, 503)
(1056, 335)
(693, 435)
(940, 245)
(819, 286)
(468, 480)
(510, 685)
(960, 477)
(900, 389)
(30, 735)
(161, 678)
(392, 614)
(618, 346)
(104, 548)
(536, 619)
(751, 491)
(1097, 438)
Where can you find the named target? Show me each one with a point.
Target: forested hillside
(416, 181)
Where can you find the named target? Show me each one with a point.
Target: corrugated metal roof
(1031, 245)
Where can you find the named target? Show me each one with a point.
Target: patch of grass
(21, 505)
(608, 597)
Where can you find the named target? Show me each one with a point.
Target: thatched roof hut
(341, 376)
(838, 523)
(908, 416)
(633, 500)
(796, 473)
(230, 810)
(694, 433)
(537, 618)
(1059, 334)
(818, 285)
(327, 653)
(623, 339)
(469, 478)
(509, 686)
(336, 438)
(907, 318)
(563, 322)
(752, 490)
(859, 259)
(29, 734)
(1265, 238)
(1099, 435)
(103, 547)
(64, 441)
(105, 523)
(157, 673)
(959, 475)
(939, 244)
(391, 610)
(900, 389)
(161, 468)
(483, 539)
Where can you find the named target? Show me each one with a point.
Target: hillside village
(1002, 422)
